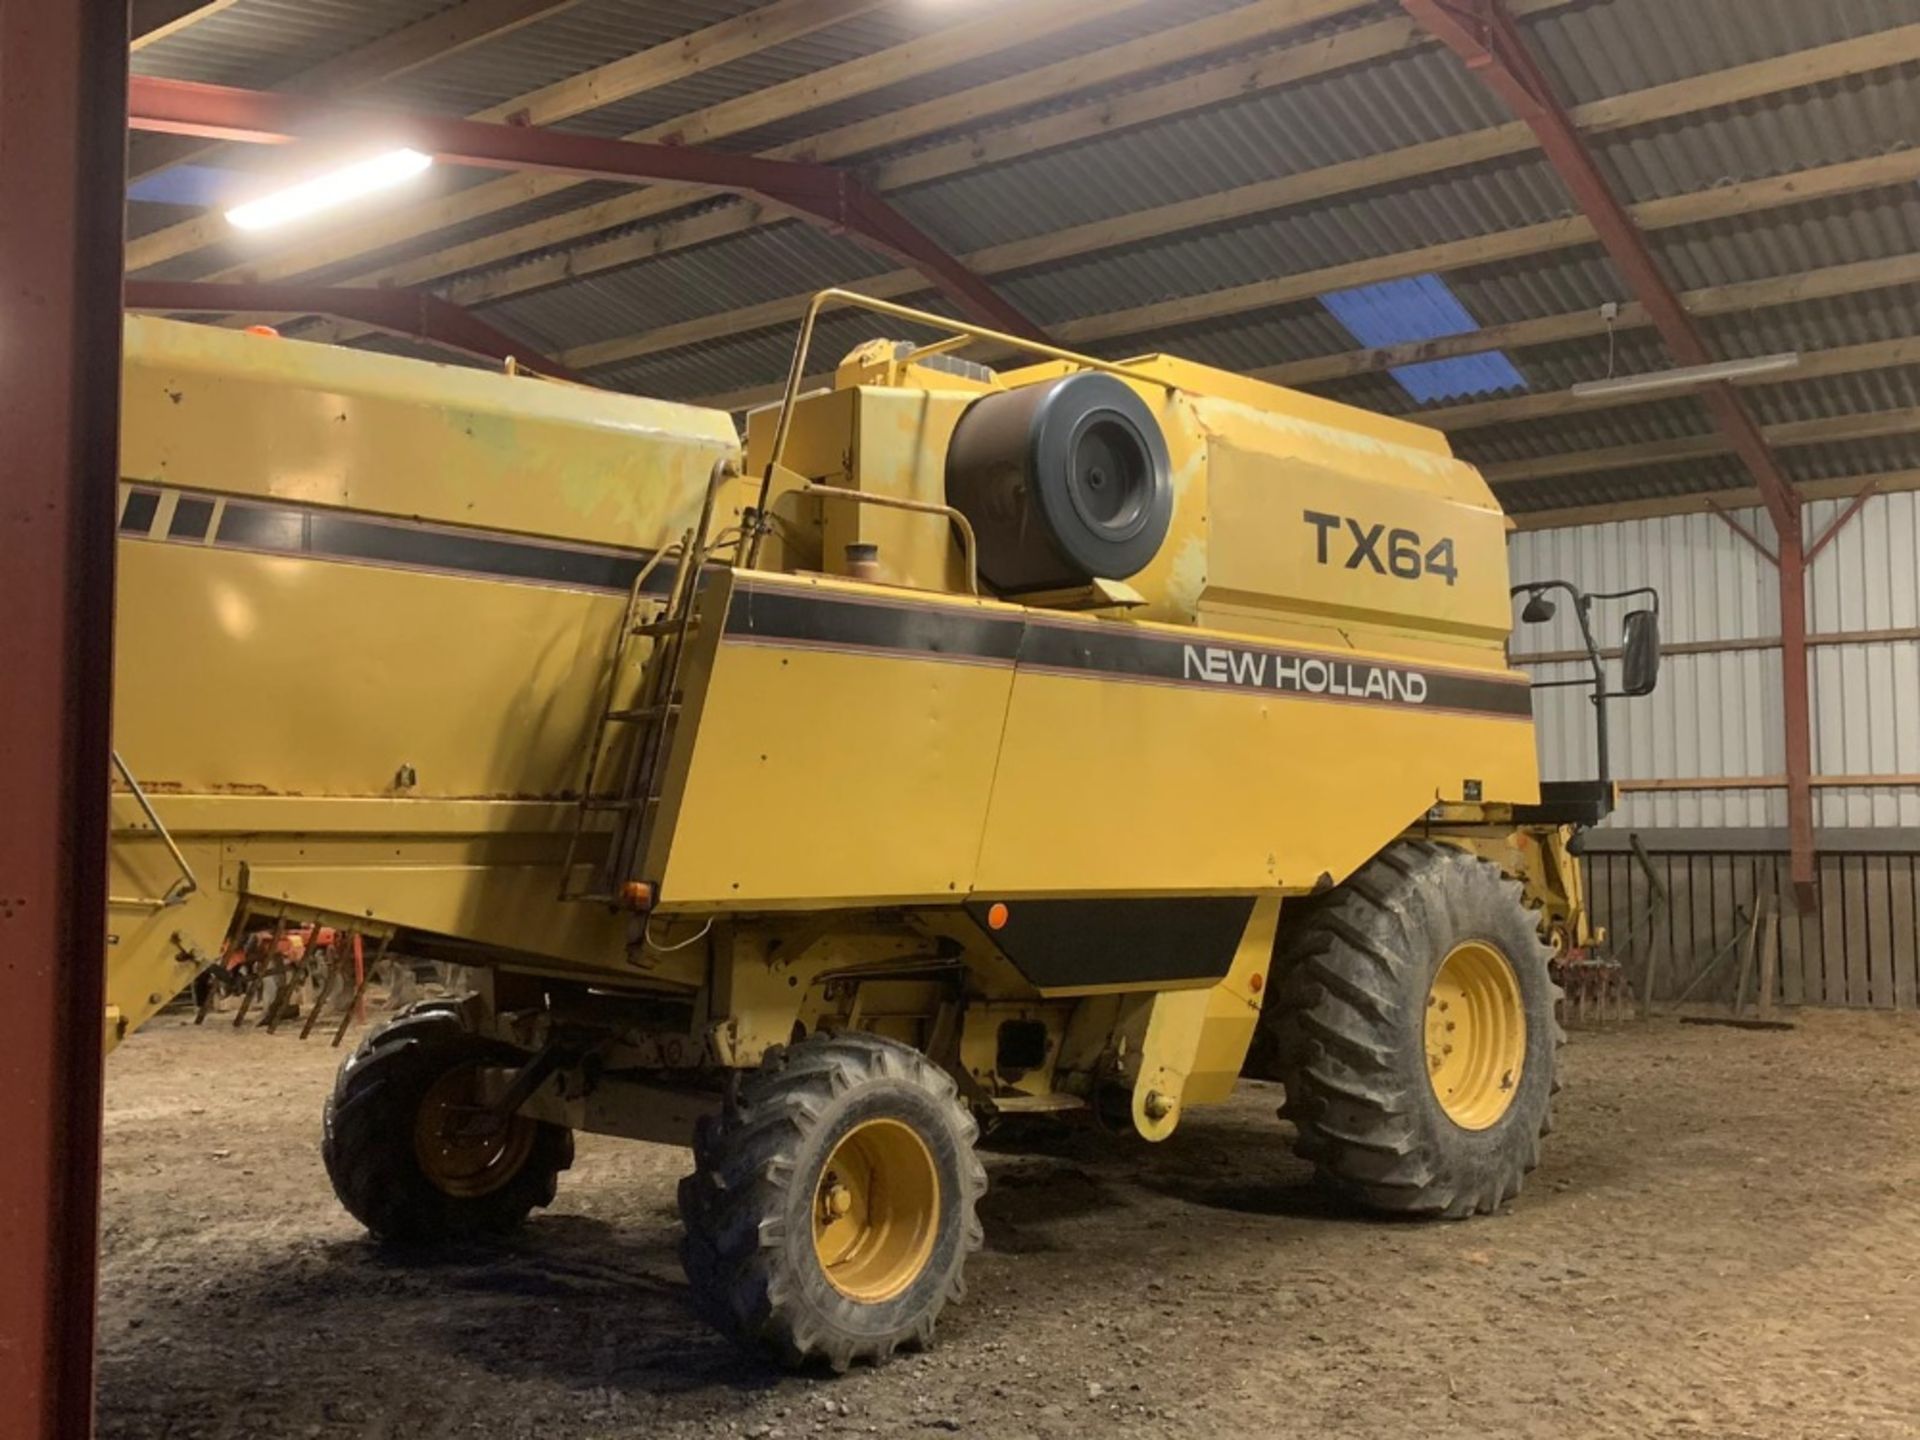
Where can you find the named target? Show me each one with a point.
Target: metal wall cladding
(1866, 713)
(1719, 715)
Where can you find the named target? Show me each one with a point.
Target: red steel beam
(1827, 536)
(822, 193)
(1485, 37)
(418, 314)
(1726, 518)
(63, 66)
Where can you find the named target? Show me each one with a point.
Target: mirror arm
(1582, 609)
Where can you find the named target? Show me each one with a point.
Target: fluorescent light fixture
(325, 191)
(1655, 380)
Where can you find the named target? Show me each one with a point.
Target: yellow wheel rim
(876, 1209)
(1476, 1035)
(460, 1163)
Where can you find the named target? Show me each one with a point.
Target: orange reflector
(637, 895)
(996, 916)
(266, 330)
(1256, 982)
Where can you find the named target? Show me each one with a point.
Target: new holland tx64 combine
(975, 744)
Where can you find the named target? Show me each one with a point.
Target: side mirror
(1538, 609)
(1640, 646)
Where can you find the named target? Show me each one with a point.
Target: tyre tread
(731, 1206)
(1336, 1014)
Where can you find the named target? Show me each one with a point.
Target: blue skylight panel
(203, 186)
(1402, 312)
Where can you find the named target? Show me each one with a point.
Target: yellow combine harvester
(976, 744)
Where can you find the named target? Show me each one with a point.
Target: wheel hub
(459, 1157)
(1476, 1035)
(876, 1210)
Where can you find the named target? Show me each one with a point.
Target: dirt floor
(1724, 1241)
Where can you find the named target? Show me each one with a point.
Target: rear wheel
(1413, 1027)
(408, 1144)
(831, 1209)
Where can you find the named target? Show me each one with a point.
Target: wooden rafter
(824, 194)
(1700, 93)
(718, 44)
(1229, 31)
(1561, 517)
(1669, 212)
(961, 36)
(1869, 425)
(1816, 365)
(1824, 284)
(402, 51)
(1234, 32)
(151, 21)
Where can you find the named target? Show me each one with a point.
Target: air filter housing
(1064, 482)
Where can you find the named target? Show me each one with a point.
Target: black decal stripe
(191, 516)
(930, 631)
(323, 534)
(142, 506)
(399, 544)
(832, 620)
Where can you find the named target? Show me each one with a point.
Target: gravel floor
(1724, 1241)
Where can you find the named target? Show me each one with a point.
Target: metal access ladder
(634, 799)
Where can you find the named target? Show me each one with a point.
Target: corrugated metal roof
(1867, 227)
(718, 365)
(1126, 20)
(262, 42)
(1598, 50)
(1305, 126)
(765, 265)
(1637, 482)
(1832, 460)
(579, 38)
(1513, 193)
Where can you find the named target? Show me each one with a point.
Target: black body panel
(1568, 802)
(1057, 944)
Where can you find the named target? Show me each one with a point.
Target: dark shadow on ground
(569, 1300)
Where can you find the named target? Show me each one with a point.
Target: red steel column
(62, 152)
(1493, 48)
(1798, 730)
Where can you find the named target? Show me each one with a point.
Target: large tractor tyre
(400, 1145)
(1413, 1027)
(832, 1205)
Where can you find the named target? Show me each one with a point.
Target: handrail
(968, 545)
(798, 369)
(186, 885)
